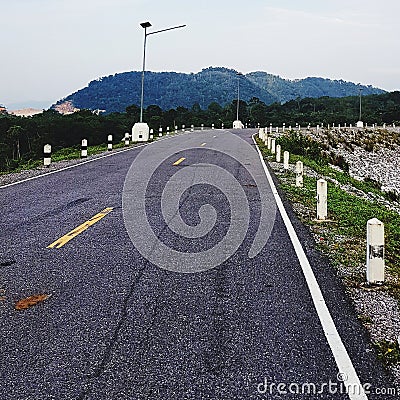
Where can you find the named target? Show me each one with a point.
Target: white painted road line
(342, 358)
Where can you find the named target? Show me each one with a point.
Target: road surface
(118, 326)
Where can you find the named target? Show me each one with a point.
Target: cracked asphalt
(119, 327)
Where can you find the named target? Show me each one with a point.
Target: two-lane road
(172, 276)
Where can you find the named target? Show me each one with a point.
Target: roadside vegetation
(351, 203)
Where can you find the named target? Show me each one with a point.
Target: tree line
(22, 138)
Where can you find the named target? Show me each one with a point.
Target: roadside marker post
(375, 251)
(286, 160)
(160, 132)
(110, 142)
(278, 153)
(299, 174)
(273, 145)
(126, 139)
(322, 199)
(47, 155)
(84, 148)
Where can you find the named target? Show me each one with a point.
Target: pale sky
(51, 48)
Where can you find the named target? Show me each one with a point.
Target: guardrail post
(110, 142)
(322, 199)
(299, 174)
(286, 160)
(278, 153)
(84, 148)
(375, 251)
(47, 155)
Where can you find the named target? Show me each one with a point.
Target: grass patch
(343, 239)
(388, 352)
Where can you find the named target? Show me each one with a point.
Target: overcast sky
(51, 48)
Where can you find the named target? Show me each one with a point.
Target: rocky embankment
(370, 153)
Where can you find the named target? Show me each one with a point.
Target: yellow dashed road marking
(179, 161)
(81, 228)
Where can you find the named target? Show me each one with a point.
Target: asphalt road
(188, 324)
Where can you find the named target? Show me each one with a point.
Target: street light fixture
(140, 131)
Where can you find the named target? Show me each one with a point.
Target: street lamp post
(360, 124)
(140, 131)
(237, 124)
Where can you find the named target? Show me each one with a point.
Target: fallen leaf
(30, 301)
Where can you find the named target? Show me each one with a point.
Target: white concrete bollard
(270, 128)
(160, 132)
(167, 130)
(278, 153)
(222, 126)
(212, 126)
(126, 138)
(286, 160)
(317, 128)
(269, 139)
(151, 137)
(191, 128)
(375, 251)
(290, 127)
(202, 127)
(277, 130)
(283, 128)
(84, 148)
(273, 145)
(183, 128)
(322, 199)
(110, 142)
(47, 155)
(299, 174)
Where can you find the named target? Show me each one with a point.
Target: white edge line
(338, 349)
(87, 161)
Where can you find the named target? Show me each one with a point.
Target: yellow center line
(81, 228)
(203, 144)
(179, 161)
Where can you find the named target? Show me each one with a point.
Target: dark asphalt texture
(118, 327)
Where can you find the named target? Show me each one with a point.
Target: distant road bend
(172, 271)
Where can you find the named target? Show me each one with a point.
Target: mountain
(171, 89)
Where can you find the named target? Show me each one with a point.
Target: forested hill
(170, 89)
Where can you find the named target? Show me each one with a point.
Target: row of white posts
(126, 139)
(375, 262)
